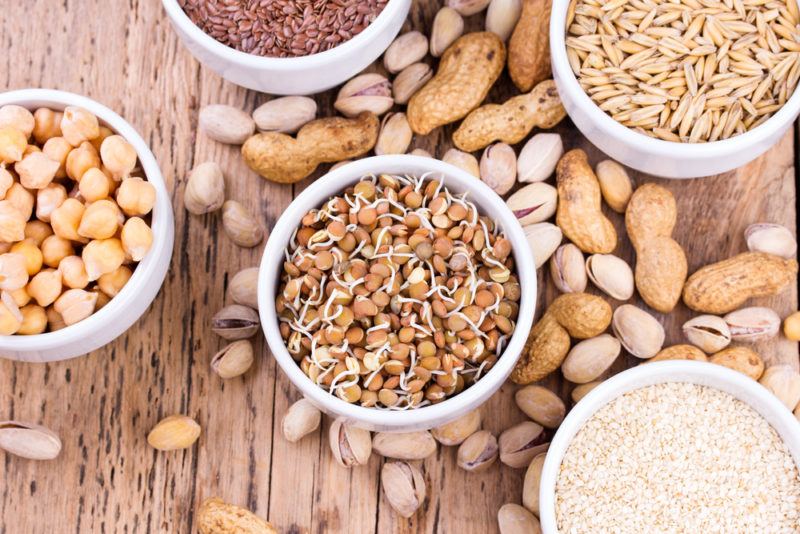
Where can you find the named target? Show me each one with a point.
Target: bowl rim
(660, 147)
(644, 375)
(161, 221)
(315, 195)
(318, 60)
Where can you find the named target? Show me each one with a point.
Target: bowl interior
(457, 181)
(701, 373)
(161, 218)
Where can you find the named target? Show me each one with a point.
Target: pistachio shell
(533, 203)
(615, 184)
(404, 486)
(753, 324)
(240, 225)
(29, 440)
(582, 390)
(638, 331)
(395, 135)
(502, 16)
(366, 92)
(530, 486)
(300, 419)
(567, 269)
(243, 288)
(405, 50)
(514, 519)
(404, 445)
(784, 382)
(521, 443)
(590, 358)
(226, 124)
(610, 274)
(772, 239)
(409, 81)
(286, 114)
(235, 322)
(541, 405)
(205, 189)
(478, 452)
(543, 239)
(463, 160)
(468, 7)
(448, 25)
(351, 446)
(233, 360)
(173, 433)
(455, 432)
(708, 332)
(498, 168)
(538, 158)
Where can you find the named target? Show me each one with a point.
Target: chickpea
(13, 271)
(100, 220)
(10, 316)
(102, 299)
(66, 218)
(36, 170)
(80, 160)
(30, 149)
(12, 144)
(102, 256)
(34, 320)
(48, 199)
(73, 272)
(45, 287)
(17, 117)
(21, 199)
(6, 181)
(57, 149)
(137, 238)
(38, 231)
(33, 256)
(75, 305)
(12, 223)
(97, 142)
(55, 249)
(47, 124)
(112, 283)
(136, 197)
(79, 125)
(118, 156)
(20, 296)
(54, 319)
(94, 185)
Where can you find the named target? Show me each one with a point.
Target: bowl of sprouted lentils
(682, 88)
(678, 446)
(287, 47)
(390, 289)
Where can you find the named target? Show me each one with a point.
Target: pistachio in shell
(235, 322)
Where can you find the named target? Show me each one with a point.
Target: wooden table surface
(107, 479)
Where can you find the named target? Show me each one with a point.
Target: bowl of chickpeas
(86, 225)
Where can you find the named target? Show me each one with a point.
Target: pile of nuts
(397, 294)
(74, 217)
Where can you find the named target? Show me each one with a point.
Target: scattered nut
(478, 452)
(740, 359)
(243, 288)
(406, 49)
(502, 16)
(351, 446)
(541, 405)
(286, 114)
(638, 331)
(753, 324)
(240, 225)
(369, 92)
(301, 419)
(533, 203)
(462, 160)
(455, 432)
(448, 25)
(784, 382)
(791, 327)
(615, 184)
(709, 332)
(395, 135)
(205, 189)
(521, 443)
(771, 239)
(233, 360)
(498, 168)
(404, 445)
(468, 7)
(514, 519)
(581, 390)
(543, 238)
(173, 433)
(680, 352)
(225, 124)
(567, 269)
(28, 440)
(590, 358)
(538, 158)
(404, 486)
(235, 322)
(530, 486)
(218, 517)
(611, 274)
(529, 46)
(410, 80)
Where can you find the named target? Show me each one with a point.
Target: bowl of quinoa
(678, 446)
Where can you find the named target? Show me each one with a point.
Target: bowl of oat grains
(682, 88)
(390, 291)
(286, 47)
(677, 446)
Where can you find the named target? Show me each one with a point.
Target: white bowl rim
(318, 60)
(782, 118)
(314, 196)
(161, 220)
(591, 403)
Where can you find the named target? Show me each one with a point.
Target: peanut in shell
(680, 352)
(742, 359)
(216, 516)
(724, 286)
(529, 46)
(467, 70)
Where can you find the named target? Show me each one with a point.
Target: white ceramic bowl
(334, 183)
(124, 309)
(291, 76)
(646, 154)
(706, 374)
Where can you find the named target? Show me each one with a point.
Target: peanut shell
(741, 359)
(218, 517)
(680, 352)
(529, 46)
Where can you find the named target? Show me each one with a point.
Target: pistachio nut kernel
(28, 440)
(404, 486)
(772, 239)
(173, 433)
(521, 443)
(541, 405)
(638, 331)
(707, 332)
(753, 324)
(478, 452)
(455, 432)
(301, 419)
(351, 446)
(233, 360)
(567, 269)
(235, 322)
(404, 445)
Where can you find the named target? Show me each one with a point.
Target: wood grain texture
(124, 54)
